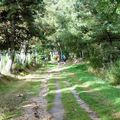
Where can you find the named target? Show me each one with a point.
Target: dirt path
(36, 109)
(57, 110)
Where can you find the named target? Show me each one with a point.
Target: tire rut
(36, 109)
(85, 106)
(58, 110)
(92, 114)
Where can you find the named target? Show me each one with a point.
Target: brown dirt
(36, 108)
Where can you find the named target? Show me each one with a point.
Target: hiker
(64, 58)
(58, 58)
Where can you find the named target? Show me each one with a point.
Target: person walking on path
(64, 59)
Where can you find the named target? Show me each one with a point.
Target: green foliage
(17, 18)
(19, 68)
(95, 62)
(83, 24)
(113, 73)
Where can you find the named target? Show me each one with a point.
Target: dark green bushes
(113, 74)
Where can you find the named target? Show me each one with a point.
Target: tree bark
(0, 62)
(8, 67)
(23, 52)
(11, 50)
(109, 38)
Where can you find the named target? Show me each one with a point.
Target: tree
(18, 25)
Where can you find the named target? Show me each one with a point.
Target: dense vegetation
(86, 29)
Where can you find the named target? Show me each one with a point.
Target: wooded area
(79, 28)
(33, 32)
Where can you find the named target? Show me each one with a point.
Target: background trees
(18, 26)
(85, 29)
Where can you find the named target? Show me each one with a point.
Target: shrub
(95, 62)
(113, 74)
(19, 68)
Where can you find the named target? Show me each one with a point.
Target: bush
(96, 62)
(113, 73)
(19, 68)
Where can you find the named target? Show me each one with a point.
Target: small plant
(95, 62)
(18, 68)
(113, 73)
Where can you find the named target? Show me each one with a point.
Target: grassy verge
(102, 97)
(51, 95)
(13, 95)
(71, 107)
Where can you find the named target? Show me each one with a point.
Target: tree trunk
(0, 62)
(109, 37)
(8, 67)
(11, 50)
(23, 52)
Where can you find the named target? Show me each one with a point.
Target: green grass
(51, 95)
(10, 101)
(102, 97)
(71, 107)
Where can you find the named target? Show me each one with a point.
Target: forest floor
(60, 92)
